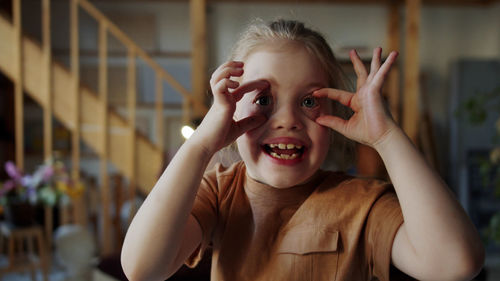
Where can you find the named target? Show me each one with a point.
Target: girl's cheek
(314, 113)
(247, 110)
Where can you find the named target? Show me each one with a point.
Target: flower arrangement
(49, 184)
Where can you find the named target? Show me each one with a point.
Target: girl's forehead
(286, 65)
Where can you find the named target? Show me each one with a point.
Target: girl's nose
(286, 118)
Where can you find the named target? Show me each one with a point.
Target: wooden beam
(356, 2)
(160, 138)
(106, 247)
(18, 85)
(411, 73)
(47, 111)
(198, 23)
(48, 224)
(46, 79)
(392, 84)
(75, 71)
(132, 98)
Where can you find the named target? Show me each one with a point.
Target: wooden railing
(106, 28)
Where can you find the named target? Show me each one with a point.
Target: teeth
(284, 156)
(285, 146)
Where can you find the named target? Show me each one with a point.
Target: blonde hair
(259, 34)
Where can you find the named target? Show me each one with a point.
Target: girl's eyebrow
(272, 82)
(314, 86)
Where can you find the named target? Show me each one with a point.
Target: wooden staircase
(86, 114)
(149, 155)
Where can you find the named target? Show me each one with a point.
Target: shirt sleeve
(383, 222)
(205, 211)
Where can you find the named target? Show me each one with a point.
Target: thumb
(247, 124)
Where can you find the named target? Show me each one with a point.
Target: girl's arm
(437, 240)
(163, 233)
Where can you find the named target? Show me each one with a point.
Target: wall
(447, 34)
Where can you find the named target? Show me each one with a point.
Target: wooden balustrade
(75, 71)
(46, 80)
(47, 101)
(18, 84)
(132, 96)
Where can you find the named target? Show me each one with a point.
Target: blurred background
(95, 97)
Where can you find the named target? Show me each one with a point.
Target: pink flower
(12, 171)
(48, 173)
(7, 186)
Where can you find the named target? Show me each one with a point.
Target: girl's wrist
(200, 144)
(388, 138)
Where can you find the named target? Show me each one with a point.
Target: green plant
(477, 109)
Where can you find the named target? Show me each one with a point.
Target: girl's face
(290, 146)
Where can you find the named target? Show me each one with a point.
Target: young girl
(276, 215)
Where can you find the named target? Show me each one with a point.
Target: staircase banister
(121, 36)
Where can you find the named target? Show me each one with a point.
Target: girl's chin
(280, 179)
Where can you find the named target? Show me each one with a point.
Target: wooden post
(18, 85)
(132, 93)
(49, 224)
(392, 84)
(411, 73)
(46, 79)
(118, 202)
(75, 70)
(106, 247)
(160, 138)
(198, 53)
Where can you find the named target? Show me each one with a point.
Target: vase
(20, 213)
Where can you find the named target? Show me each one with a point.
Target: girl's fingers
(359, 68)
(223, 86)
(375, 62)
(246, 124)
(250, 86)
(341, 96)
(384, 69)
(336, 123)
(228, 69)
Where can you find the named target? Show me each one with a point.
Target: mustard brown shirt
(335, 227)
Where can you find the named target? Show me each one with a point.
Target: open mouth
(284, 151)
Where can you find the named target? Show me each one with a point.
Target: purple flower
(31, 194)
(12, 170)
(28, 181)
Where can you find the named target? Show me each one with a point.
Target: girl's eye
(309, 102)
(263, 100)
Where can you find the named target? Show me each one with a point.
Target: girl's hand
(218, 128)
(370, 122)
